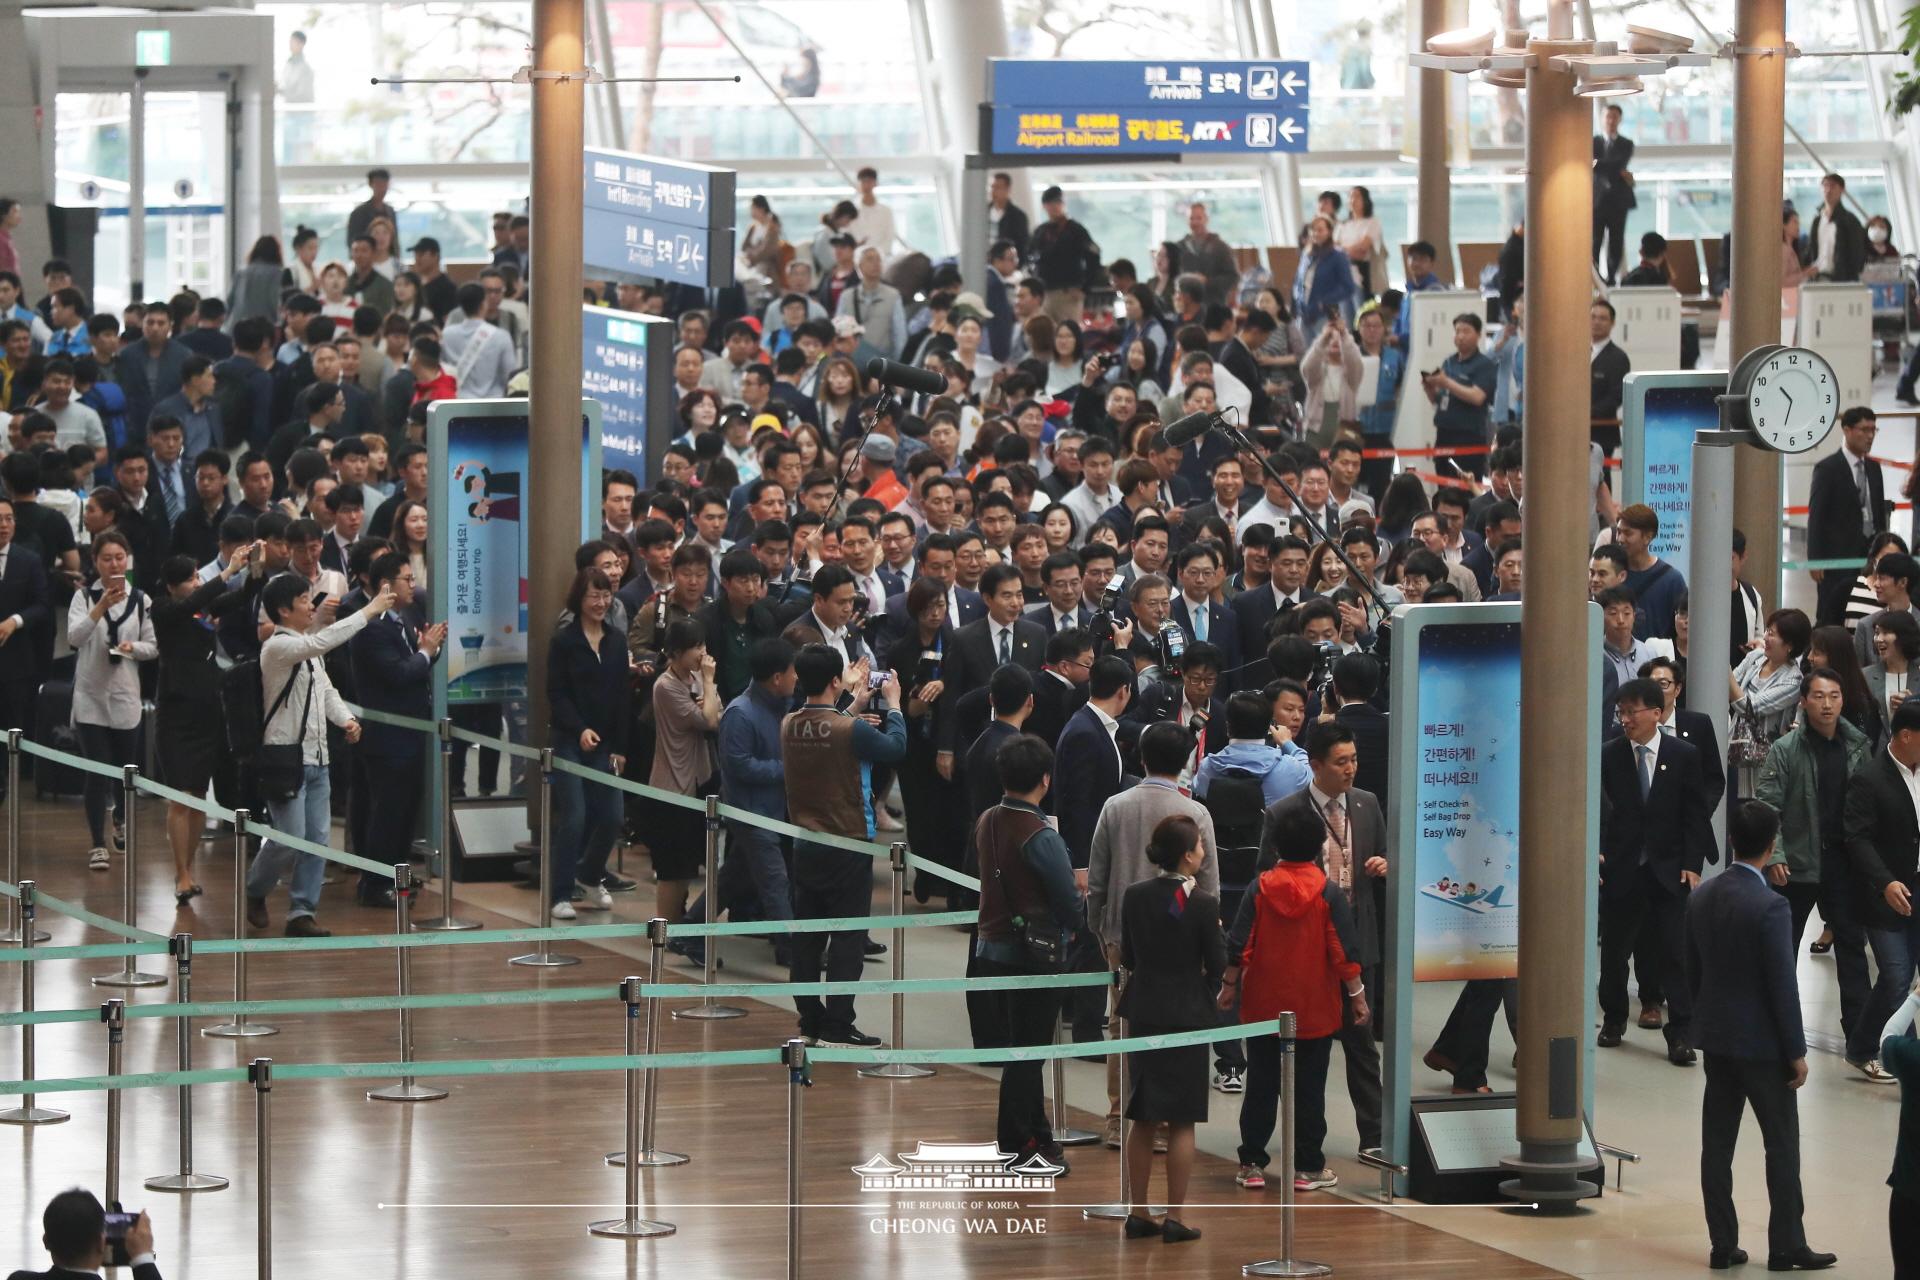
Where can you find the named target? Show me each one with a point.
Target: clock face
(1792, 399)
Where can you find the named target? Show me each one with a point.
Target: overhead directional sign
(1159, 108)
(667, 219)
(627, 366)
(1045, 82)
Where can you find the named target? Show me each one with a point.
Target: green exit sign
(152, 48)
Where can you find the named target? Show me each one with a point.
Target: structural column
(1554, 860)
(1759, 121)
(553, 463)
(1435, 192)
(963, 35)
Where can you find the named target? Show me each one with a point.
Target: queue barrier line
(958, 878)
(301, 845)
(633, 1062)
(579, 933)
(515, 749)
(561, 995)
(77, 912)
(1797, 566)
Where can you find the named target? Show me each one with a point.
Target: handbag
(278, 768)
(1040, 942)
(1747, 744)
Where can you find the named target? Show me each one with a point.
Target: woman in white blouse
(110, 626)
(1896, 644)
(1765, 688)
(1364, 242)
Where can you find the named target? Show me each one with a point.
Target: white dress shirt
(1912, 778)
(1112, 727)
(995, 632)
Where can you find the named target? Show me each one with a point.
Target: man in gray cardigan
(1119, 853)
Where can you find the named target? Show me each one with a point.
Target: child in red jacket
(1293, 959)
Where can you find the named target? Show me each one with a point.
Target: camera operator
(1187, 698)
(81, 1240)
(1356, 681)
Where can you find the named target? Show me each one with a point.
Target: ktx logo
(1212, 131)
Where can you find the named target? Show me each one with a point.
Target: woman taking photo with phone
(110, 626)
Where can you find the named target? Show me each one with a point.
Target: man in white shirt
(1275, 508)
(1228, 391)
(479, 355)
(859, 550)
(1095, 494)
(874, 223)
(725, 372)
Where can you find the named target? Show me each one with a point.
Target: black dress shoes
(1801, 1259)
(1681, 1054)
(1610, 1033)
(1721, 1259)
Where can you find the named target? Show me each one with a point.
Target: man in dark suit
(1087, 772)
(1183, 697)
(393, 672)
(1356, 679)
(23, 609)
(1846, 506)
(74, 1231)
(1608, 366)
(1739, 956)
(1198, 568)
(1613, 196)
(1883, 849)
(828, 617)
(1001, 637)
(1061, 687)
(1256, 607)
(1355, 859)
(1064, 609)
(1655, 836)
(1003, 264)
(1014, 225)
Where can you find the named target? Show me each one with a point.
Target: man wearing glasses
(1655, 836)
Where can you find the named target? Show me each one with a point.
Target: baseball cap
(847, 326)
(878, 449)
(424, 242)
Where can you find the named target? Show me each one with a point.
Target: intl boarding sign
(668, 220)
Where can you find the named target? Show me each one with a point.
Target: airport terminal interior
(1095, 521)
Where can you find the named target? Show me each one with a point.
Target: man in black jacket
(1836, 242)
(1655, 836)
(1883, 849)
(23, 608)
(1002, 637)
(74, 1231)
(1012, 224)
(1063, 256)
(1846, 506)
(1356, 679)
(1609, 367)
(1060, 688)
(1613, 196)
(393, 672)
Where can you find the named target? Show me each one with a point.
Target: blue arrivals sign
(627, 366)
(667, 219)
(1145, 108)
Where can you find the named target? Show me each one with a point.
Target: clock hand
(1788, 399)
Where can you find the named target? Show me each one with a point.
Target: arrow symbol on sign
(1291, 83)
(1288, 128)
(700, 198)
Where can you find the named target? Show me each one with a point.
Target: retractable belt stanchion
(707, 1010)
(632, 1225)
(447, 922)
(1118, 1212)
(260, 1075)
(643, 1084)
(27, 1112)
(541, 957)
(1063, 1133)
(407, 1090)
(239, 1028)
(897, 859)
(128, 976)
(1286, 1264)
(186, 1179)
(114, 1014)
(13, 935)
(799, 1079)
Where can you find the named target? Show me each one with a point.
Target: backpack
(235, 402)
(243, 705)
(1238, 808)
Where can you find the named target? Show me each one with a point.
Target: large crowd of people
(1137, 690)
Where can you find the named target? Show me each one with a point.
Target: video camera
(1173, 647)
(1100, 626)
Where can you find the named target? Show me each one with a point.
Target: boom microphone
(905, 376)
(1183, 431)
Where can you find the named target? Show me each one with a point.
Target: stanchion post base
(129, 977)
(445, 924)
(404, 1092)
(709, 1013)
(239, 1030)
(13, 937)
(186, 1182)
(631, 1228)
(33, 1115)
(1285, 1267)
(534, 960)
(894, 1071)
(1071, 1137)
(653, 1159)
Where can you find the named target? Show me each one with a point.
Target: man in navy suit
(393, 672)
(1255, 608)
(1192, 694)
(1655, 836)
(1198, 569)
(935, 558)
(1086, 774)
(1063, 609)
(1740, 979)
(1061, 687)
(1001, 637)
(23, 608)
(74, 1231)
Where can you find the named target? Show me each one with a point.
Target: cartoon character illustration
(495, 496)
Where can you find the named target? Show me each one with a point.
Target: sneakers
(562, 911)
(615, 883)
(849, 1038)
(1252, 1177)
(1315, 1181)
(257, 912)
(1112, 1135)
(98, 859)
(119, 837)
(594, 897)
(1873, 1071)
(1229, 1080)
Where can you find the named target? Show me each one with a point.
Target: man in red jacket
(1287, 943)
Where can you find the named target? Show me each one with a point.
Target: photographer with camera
(1186, 696)
(82, 1237)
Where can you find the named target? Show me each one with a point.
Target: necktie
(1866, 496)
(170, 493)
(1006, 646)
(1200, 624)
(1646, 770)
(1339, 862)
